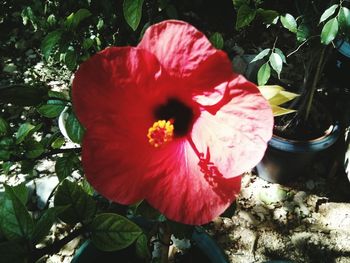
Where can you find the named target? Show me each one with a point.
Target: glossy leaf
(217, 40)
(142, 249)
(289, 22)
(245, 16)
(280, 53)
(303, 32)
(4, 127)
(75, 130)
(58, 143)
(51, 110)
(267, 16)
(276, 63)
(23, 131)
(45, 222)
(64, 166)
(264, 74)
(261, 55)
(33, 149)
(133, 12)
(111, 232)
(344, 17)
(328, 12)
(74, 19)
(16, 222)
(49, 42)
(82, 207)
(329, 31)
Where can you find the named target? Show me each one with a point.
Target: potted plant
(314, 126)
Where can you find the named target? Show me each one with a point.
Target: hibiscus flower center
(160, 133)
(177, 111)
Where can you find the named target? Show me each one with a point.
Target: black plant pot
(287, 159)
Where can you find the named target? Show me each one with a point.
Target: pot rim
(314, 145)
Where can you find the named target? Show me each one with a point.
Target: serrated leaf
(33, 149)
(142, 250)
(64, 166)
(329, 31)
(217, 40)
(261, 55)
(4, 127)
(132, 10)
(110, 232)
(264, 74)
(51, 110)
(280, 53)
(82, 208)
(45, 222)
(16, 222)
(75, 130)
(289, 22)
(328, 12)
(23, 131)
(245, 16)
(74, 19)
(276, 63)
(49, 42)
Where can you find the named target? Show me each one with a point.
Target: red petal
(243, 124)
(186, 53)
(181, 191)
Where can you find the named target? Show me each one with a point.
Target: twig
(55, 246)
(46, 154)
(302, 44)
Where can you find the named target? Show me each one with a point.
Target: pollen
(161, 132)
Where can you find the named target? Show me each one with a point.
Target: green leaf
(344, 18)
(45, 222)
(238, 3)
(70, 59)
(217, 40)
(75, 130)
(6, 166)
(328, 12)
(111, 232)
(132, 10)
(276, 63)
(33, 149)
(245, 16)
(51, 110)
(58, 143)
(82, 207)
(21, 192)
(23, 131)
(13, 252)
(264, 74)
(261, 55)
(49, 42)
(267, 16)
(16, 221)
(4, 127)
(88, 43)
(142, 250)
(289, 22)
(27, 166)
(28, 16)
(64, 166)
(329, 31)
(280, 53)
(74, 19)
(303, 32)
(22, 95)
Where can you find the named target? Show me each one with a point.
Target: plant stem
(314, 84)
(55, 246)
(165, 243)
(46, 154)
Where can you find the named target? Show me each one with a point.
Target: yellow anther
(161, 132)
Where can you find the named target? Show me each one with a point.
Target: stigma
(161, 132)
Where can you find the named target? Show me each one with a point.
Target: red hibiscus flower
(169, 122)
